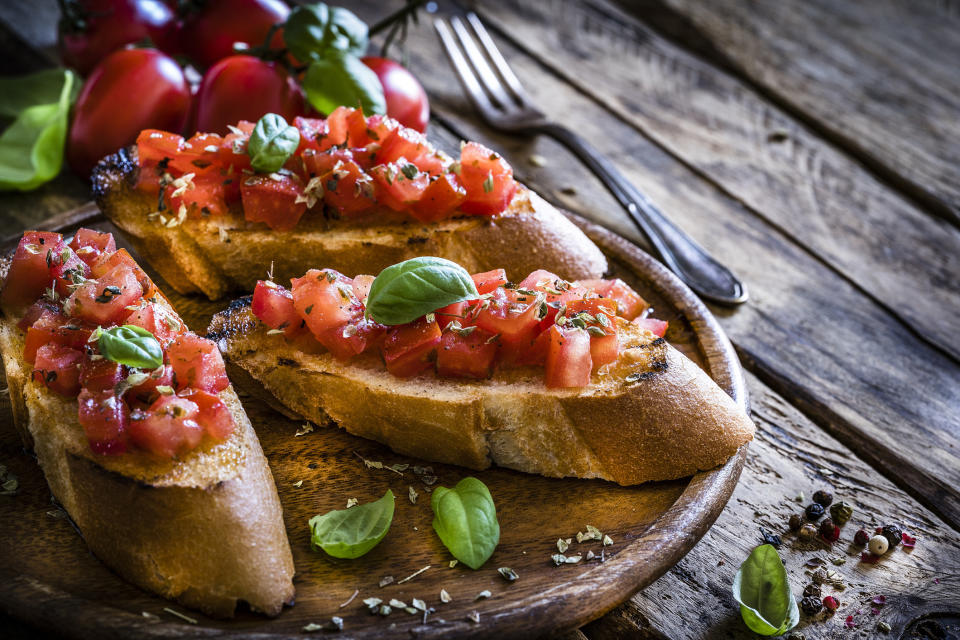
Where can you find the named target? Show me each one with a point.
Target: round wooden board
(49, 578)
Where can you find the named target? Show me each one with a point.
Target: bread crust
(669, 420)
(196, 255)
(206, 530)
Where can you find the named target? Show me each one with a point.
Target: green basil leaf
(31, 148)
(341, 79)
(465, 518)
(350, 533)
(762, 588)
(407, 290)
(313, 31)
(271, 143)
(130, 345)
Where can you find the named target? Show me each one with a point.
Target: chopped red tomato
(400, 184)
(52, 327)
(276, 199)
(512, 315)
(168, 428)
(487, 178)
(163, 323)
(89, 244)
(311, 131)
(629, 303)
(147, 392)
(104, 418)
(409, 349)
(489, 280)
(324, 300)
(58, 367)
(33, 313)
(200, 197)
(403, 142)
(213, 414)
(361, 287)
(352, 338)
(446, 315)
(337, 128)
(155, 150)
(101, 375)
(233, 149)
(197, 363)
(29, 272)
(105, 299)
(536, 353)
(273, 305)
(466, 353)
(657, 327)
(68, 271)
(442, 197)
(107, 262)
(198, 155)
(568, 358)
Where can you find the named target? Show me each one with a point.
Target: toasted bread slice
(667, 420)
(227, 253)
(206, 530)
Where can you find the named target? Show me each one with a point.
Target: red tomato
(104, 300)
(104, 418)
(446, 315)
(58, 367)
(208, 33)
(629, 303)
(168, 428)
(213, 415)
(100, 375)
(399, 185)
(52, 327)
(489, 281)
(404, 142)
(203, 196)
(106, 262)
(487, 178)
(165, 325)
(89, 244)
(197, 363)
(657, 327)
(409, 348)
(352, 338)
(466, 356)
(324, 300)
(29, 272)
(131, 90)
(89, 30)
(568, 358)
(442, 197)
(33, 313)
(147, 392)
(346, 187)
(273, 305)
(406, 100)
(272, 199)
(361, 287)
(245, 88)
(68, 270)
(512, 315)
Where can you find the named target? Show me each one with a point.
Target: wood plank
(809, 333)
(791, 455)
(897, 253)
(879, 76)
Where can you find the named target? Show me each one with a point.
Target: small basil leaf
(271, 143)
(341, 79)
(350, 533)
(465, 518)
(130, 345)
(31, 148)
(313, 31)
(407, 290)
(762, 588)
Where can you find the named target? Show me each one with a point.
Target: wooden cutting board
(49, 578)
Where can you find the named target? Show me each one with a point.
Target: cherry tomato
(89, 30)
(130, 90)
(245, 88)
(209, 32)
(406, 100)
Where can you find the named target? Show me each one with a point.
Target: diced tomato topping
(104, 418)
(197, 363)
(201, 197)
(466, 353)
(442, 197)
(512, 315)
(105, 299)
(409, 349)
(488, 180)
(58, 367)
(148, 391)
(629, 303)
(346, 187)
(52, 327)
(361, 287)
(30, 268)
(273, 200)
(489, 280)
(536, 353)
(568, 361)
(324, 300)
(89, 244)
(233, 149)
(311, 130)
(68, 271)
(33, 313)
(198, 155)
(399, 184)
(163, 323)
(155, 150)
(107, 262)
(212, 414)
(101, 375)
(657, 327)
(337, 128)
(451, 312)
(403, 142)
(273, 305)
(352, 338)
(168, 428)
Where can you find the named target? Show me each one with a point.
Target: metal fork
(497, 94)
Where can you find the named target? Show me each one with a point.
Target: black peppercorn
(814, 511)
(770, 538)
(861, 537)
(811, 605)
(812, 590)
(795, 522)
(893, 534)
(823, 498)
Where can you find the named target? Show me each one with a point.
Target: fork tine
(503, 68)
(464, 72)
(484, 71)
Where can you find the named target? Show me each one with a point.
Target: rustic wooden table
(813, 146)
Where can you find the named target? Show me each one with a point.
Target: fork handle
(686, 258)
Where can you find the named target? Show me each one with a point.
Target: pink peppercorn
(869, 558)
(849, 623)
(831, 603)
(909, 542)
(861, 538)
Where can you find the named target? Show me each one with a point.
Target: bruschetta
(357, 194)
(545, 376)
(136, 427)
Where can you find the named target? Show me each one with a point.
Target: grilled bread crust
(216, 255)
(667, 420)
(206, 530)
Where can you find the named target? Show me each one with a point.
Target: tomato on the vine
(89, 30)
(245, 88)
(211, 27)
(406, 99)
(131, 90)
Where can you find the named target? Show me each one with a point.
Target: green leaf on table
(407, 290)
(341, 79)
(31, 147)
(465, 518)
(314, 31)
(350, 533)
(762, 588)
